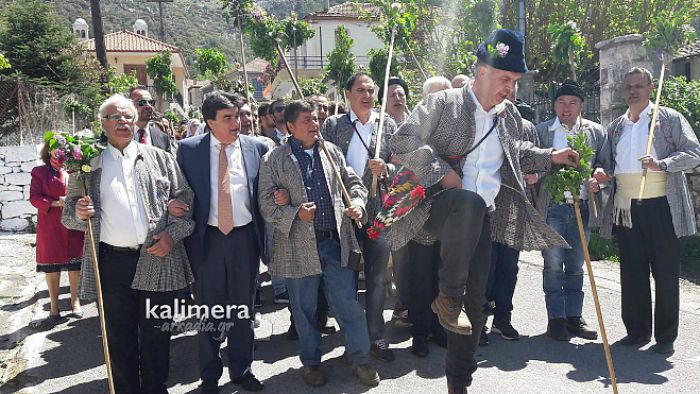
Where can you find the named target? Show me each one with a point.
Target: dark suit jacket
(194, 158)
(159, 139)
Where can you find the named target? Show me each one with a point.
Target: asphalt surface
(68, 358)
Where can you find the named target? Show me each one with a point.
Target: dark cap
(504, 50)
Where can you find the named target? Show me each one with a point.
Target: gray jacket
(676, 146)
(338, 130)
(160, 180)
(597, 138)
(443, 124)
(294, 253)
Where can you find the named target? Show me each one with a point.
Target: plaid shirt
(316, 187)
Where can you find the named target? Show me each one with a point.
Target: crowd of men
(291, 183)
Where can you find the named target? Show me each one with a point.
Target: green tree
(41, 47)
(684, 97)
(568, 47)
(212, 64)
(4, 64)
(159, 69)
(377, 65)
(341, 61)
(312, 86)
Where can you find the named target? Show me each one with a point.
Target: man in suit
(563, 268)
(315, 240)
(355, 133)
(142, 260)
(648, 229)
(146, 131)
(464, 147)
(224, 250)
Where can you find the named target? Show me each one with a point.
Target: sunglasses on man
(143, 102)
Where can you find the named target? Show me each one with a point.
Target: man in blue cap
(465, 147)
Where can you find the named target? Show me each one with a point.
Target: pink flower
(60, 154)
(77, 153)
(502, 49)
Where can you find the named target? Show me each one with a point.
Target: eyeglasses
(143, 102)
(117, 117)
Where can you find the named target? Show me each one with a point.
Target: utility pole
(160, 16)
(100, 49)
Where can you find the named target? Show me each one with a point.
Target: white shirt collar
(372, 117)
(130, 151)
(645, 114)
(497, 109)
(213, 142)
(557, 125)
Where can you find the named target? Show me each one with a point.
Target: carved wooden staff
(598, 310)
(654, 118)
(336, 172)
(382, 112)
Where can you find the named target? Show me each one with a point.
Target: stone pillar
(526, 86)
(617, 56)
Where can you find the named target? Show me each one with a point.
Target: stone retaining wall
(16, 163)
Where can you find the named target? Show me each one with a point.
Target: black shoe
(324, 327)
(505, 330)
(484, 337)
(556, 329)
(419, 347)
(630, 340)
(665, 348)
(292, 333)
(380, 351)
(439, 337)
(249, 382)
(209, 387)
(577, 327)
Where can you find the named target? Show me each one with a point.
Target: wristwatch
(663, 166)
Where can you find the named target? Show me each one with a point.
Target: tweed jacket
(676, 146)
(160, 180)
(338, 130)
(597, 138)
(294, 253)
(443, 124)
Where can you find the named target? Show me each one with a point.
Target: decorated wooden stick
(594, 289)
(382, 112)
(336, 172)
(654, 118)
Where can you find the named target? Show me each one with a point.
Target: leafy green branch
(569, 179)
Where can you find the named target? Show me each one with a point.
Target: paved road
(68, 359)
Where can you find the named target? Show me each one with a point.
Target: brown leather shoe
(313, 376)
(456, 390)
(367, 375)
(451, 315)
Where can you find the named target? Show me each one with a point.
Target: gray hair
(120, 101)
(639, 70)
(436, 82)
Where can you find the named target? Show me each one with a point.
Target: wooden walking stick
(382, 112)
(336, 172)
(599, 313)
(654, 118)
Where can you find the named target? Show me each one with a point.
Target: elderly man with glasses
(142, 259)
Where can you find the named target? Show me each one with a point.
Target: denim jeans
(376, 255)
(563, 268)
(339, 287)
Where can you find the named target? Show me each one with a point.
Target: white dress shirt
(240, 199)
(357, 153)
(280, 134)
(123, 220)
(482, 166)
(561, 131)
(633, 143)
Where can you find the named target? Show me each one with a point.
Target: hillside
(189, 24)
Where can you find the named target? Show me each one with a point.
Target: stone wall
(16, 163)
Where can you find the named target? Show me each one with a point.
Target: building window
(82, 34)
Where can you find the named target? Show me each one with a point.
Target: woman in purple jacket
(57, 248)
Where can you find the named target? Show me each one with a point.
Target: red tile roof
(128, 41)
(350, 9)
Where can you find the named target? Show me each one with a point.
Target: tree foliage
(669, 34)
(4, 64)
(571, 179)
(377, 65)
(158, 69)
(212, 65)
(312, 86)
(341, 61)
(684, 97)
(41, 47)
(568, 48)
